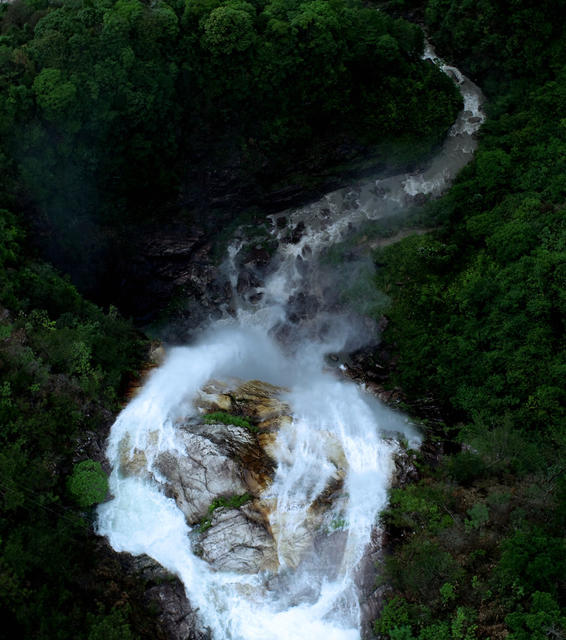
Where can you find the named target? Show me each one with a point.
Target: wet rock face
(202, 472)
(302, 306)
(163, 262)
(177, 617)
(220, 461)
(247, 280)
(215, 461)
(255, 400)
(406, 471)
(237, 540)
(296, 234)
(212, 463)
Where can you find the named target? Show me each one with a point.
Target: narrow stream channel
(311, 593)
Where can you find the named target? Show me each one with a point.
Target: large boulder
(230, 451)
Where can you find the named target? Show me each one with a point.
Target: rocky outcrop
(219, 470)
(255, 400)
(372, 594)
(176, 615)
(215, 460)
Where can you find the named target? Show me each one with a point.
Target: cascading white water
(313, 595)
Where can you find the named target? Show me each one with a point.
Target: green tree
(229, 29)
(88, 483)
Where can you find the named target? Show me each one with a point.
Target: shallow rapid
(312, 593)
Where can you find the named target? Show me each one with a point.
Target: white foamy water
(313, 594)
(329, 415)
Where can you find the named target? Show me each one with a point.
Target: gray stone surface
(203, 472)
(238, 541)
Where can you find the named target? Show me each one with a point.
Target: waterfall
(313, 592)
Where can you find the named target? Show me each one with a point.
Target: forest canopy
(112, 112)
(477, 322)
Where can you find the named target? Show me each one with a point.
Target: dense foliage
(63, 367)
(112, 112)
(477, 318)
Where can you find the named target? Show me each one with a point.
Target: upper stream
(309, 590)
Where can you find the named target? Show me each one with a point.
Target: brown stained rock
(272, 425)
(254, 389)
(255, 482)
(265, 507)
(255, 400)
(211, 402)
(327, 497)
(260, 411)
(133, 462)
(267, 443)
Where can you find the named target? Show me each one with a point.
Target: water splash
(332, 417)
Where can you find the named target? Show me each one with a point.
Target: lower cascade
(307, 454)
(250, 467)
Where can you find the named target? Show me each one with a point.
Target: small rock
(258, 256)
(296, 234)
(150, 570)
(254, 298)
(246, 281)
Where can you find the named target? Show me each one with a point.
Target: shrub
(542, 620)
(233, 502)
(88, 483)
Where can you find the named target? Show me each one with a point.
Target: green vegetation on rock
(228, 418)
(233, 502)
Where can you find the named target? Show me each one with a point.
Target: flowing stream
(313, 594)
